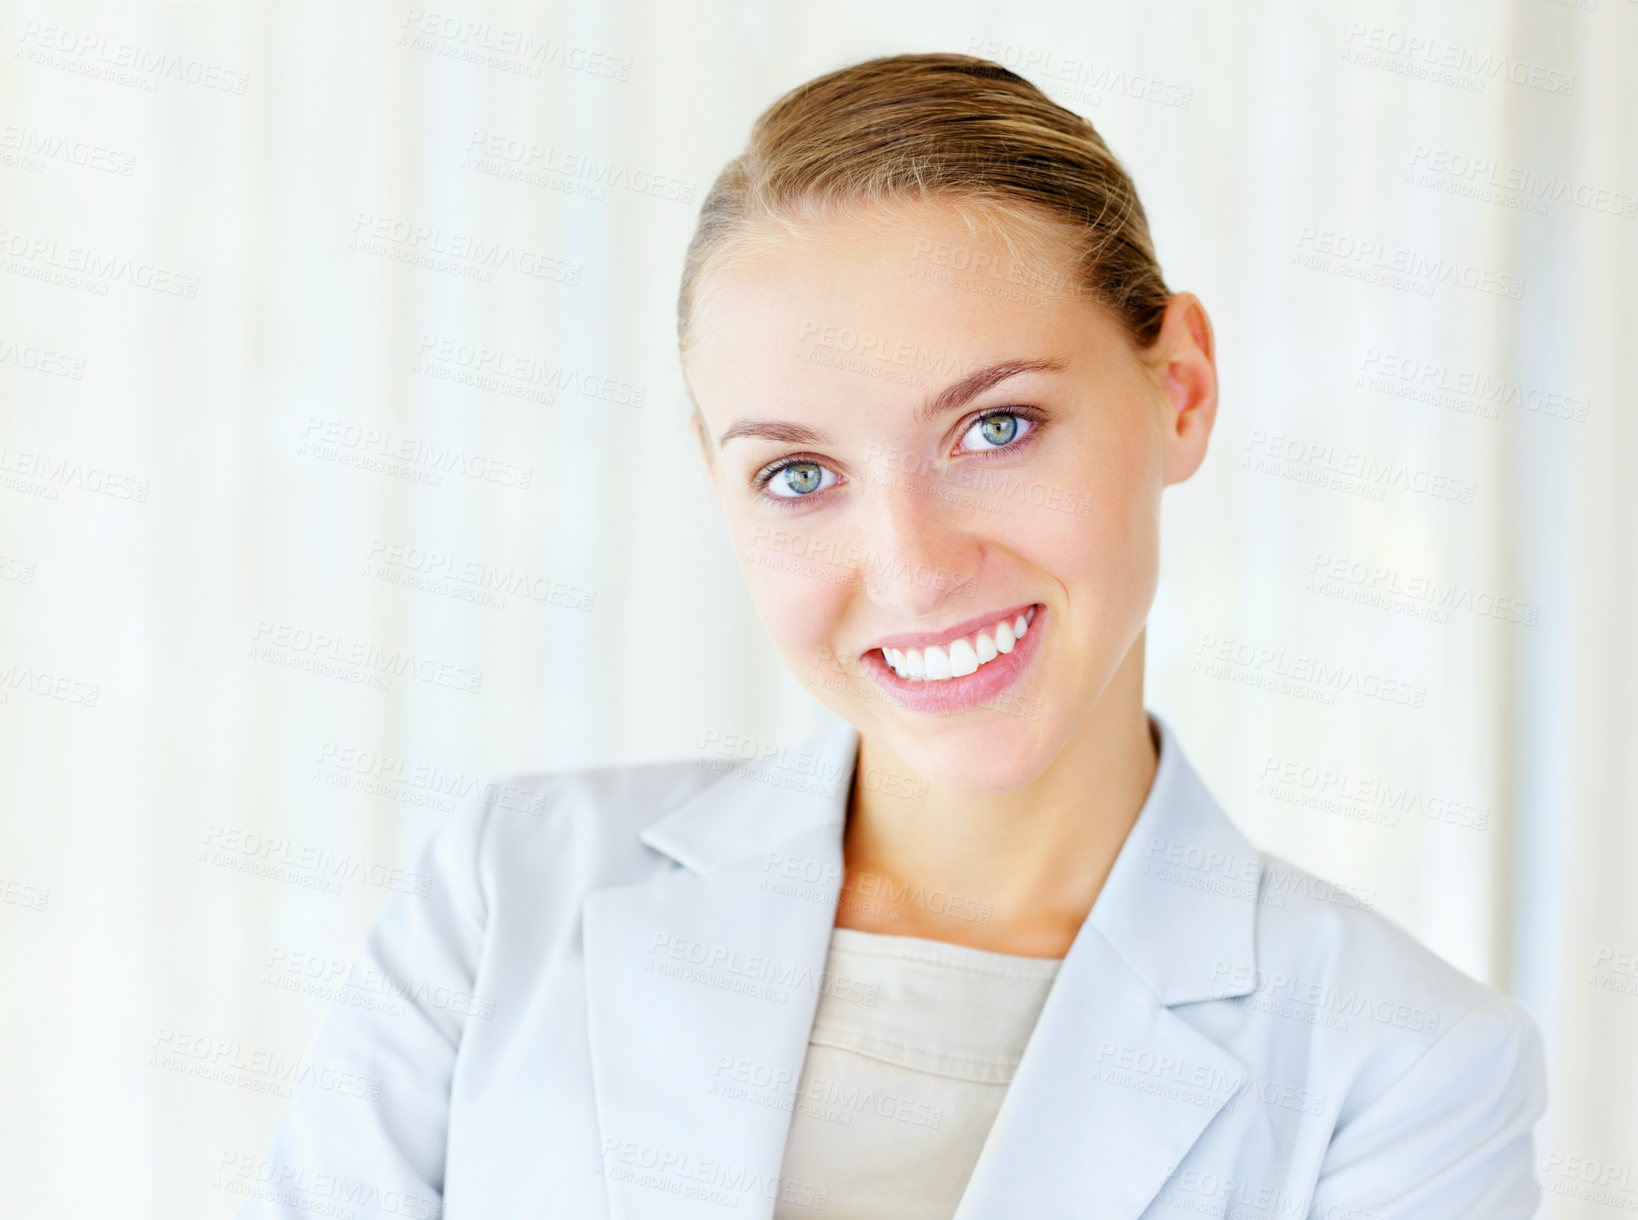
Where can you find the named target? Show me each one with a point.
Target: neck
(1013, 872)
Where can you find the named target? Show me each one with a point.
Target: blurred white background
(308, 312)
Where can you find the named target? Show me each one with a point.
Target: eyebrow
(948, 399)
(975, 383)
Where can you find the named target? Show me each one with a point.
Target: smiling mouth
(959, 657)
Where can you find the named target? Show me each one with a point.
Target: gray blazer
(597, 953)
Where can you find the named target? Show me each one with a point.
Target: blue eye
(997, 430)
(799, 479)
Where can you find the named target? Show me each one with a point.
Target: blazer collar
(1179, 905)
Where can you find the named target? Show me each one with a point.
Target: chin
(973, 755)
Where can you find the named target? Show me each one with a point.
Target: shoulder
(1391, 1011)
(1315, 931)
(593, 813)
(538, 840)
(1432, 1081)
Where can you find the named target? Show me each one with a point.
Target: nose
(921, 553)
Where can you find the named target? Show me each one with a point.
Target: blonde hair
(909, 128)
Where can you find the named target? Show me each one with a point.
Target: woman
(986, 947)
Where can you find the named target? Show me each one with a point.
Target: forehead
(880, 306)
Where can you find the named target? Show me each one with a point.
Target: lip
(938, 639)
(950, 695)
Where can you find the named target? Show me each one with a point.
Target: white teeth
(938, 663)
(960, 657)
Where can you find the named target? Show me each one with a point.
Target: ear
(1189, 379)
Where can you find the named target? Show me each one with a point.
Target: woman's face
(913, 453)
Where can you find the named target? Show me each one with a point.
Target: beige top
(912, 1049)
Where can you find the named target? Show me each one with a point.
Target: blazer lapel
(1114, 1088)
(1112, 1092)
(703, 980)
(702, 983)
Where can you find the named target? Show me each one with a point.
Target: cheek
(1102, 541)
(800, 586)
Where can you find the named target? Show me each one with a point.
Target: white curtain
(343, 465)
